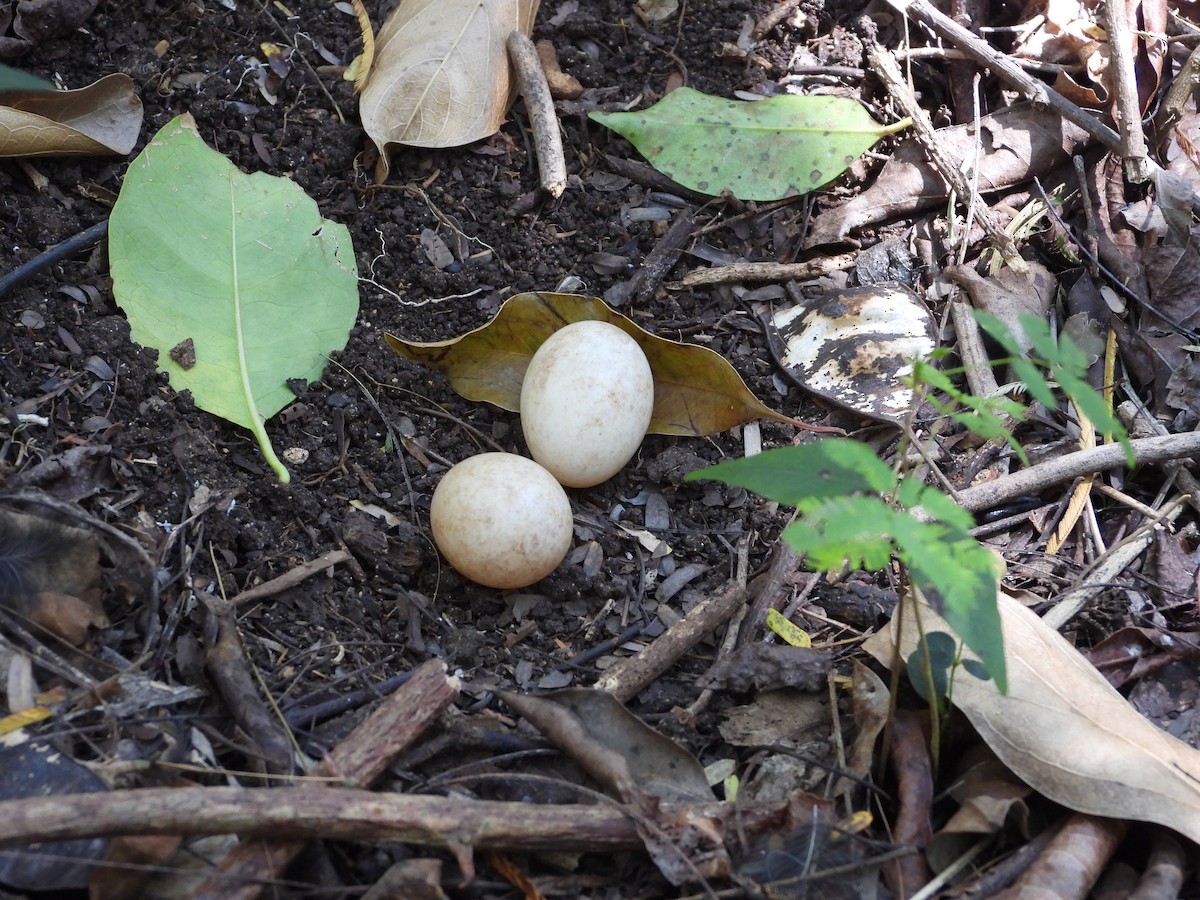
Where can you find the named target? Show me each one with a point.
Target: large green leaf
(760, 150)
(822, 470)
(235, 279)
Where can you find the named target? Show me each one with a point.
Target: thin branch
(1138, 167)
(885, 67)
(1081, 462)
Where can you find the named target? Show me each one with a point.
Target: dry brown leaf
(1014, 144)
(101, 119)
(614, 746)
(1063, 729)
(441, 76)
(696, 391)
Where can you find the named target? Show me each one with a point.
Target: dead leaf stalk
(291, 578)
(543, 121)
(233, 674)
(884, 65)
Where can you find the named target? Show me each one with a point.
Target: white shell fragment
(854, 346)
(586, 402)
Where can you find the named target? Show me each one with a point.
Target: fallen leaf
(855, 346)
(990, 798)
(441, 76)
(1011, 146)
(760, 150)
(101, 119)
(1007, 295)
(37, 769)
(696, 391)
(614, 746)
(1062, 728)
(243, 265)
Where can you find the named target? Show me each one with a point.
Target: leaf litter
(163, 449)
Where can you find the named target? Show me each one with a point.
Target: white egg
(501, 520)
(586, 402)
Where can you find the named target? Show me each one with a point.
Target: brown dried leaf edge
(696, 391)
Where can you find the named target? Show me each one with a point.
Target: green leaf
(939, 651)
(15, 80)
(854, 531)
(824, 469)
(760, 150)
(914, 494)
(1068, 366)
(989, 417)
(958, 576)
(239, 269)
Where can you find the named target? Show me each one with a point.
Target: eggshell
(501, 520)
(586, 402)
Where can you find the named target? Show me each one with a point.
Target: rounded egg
(501, 520)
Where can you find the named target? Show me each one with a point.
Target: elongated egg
(586, 402)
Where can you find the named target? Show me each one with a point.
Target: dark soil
(119, 446)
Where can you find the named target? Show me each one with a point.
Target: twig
(630, 675)
(651, 178)
(307, 813)
(1007, 70)
(768, 271)
(543, 122)
(1100, 577)
(47, 258)
(1081, 462)
(768, 22)
(360, 758)
(291, 577)
(884, 64)
(1128, 107)
(1177, 96)
(231, 671)
(977, 366)
(656, 264)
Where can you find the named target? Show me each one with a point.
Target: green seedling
(854, 510)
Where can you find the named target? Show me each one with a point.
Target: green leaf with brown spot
(757, 150)
(696, 391)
